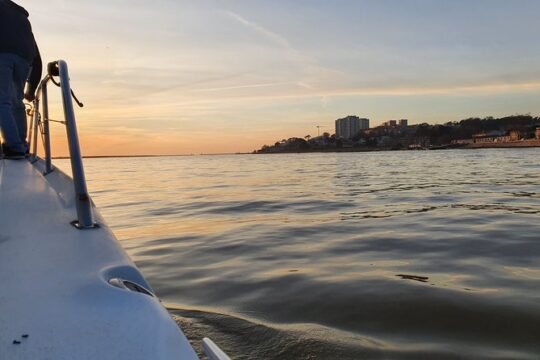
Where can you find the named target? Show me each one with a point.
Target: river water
(428, 254)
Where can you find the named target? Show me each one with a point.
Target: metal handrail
(40, 123)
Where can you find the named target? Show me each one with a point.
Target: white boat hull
(56, 298)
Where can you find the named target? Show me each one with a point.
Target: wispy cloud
(309, 65)
(274, 37)
(229, 103)
(471, 90)
(242, 87)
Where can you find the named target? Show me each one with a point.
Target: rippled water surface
(338, 256)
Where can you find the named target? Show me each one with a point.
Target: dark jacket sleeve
(35, 74)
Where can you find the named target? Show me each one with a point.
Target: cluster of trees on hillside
(398, 137)
(466, 129)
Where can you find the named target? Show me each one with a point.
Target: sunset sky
(182, 77)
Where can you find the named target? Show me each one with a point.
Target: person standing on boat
(20, 62)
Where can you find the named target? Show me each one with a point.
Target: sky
(217, 76)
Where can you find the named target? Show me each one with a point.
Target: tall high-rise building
(403, 122)
(350, 126)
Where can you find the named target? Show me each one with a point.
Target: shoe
(15, 156)
(11, 154)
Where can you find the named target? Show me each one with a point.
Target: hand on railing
(29, 92)
(29, 95)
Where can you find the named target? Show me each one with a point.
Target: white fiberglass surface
(56, 300)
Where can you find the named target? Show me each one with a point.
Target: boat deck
(56, 301)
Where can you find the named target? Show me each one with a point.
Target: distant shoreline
(515, 145)
(509, 144)
(146, 156)
(525, 144)
(474, 146)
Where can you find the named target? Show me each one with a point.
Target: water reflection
(323, 256)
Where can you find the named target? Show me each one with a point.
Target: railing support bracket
(78, 226)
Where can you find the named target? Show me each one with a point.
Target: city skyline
(180, 77)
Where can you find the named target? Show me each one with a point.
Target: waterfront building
(515, 135)
(390, 123)
(491, 137)
(403, 122)
(350, 126)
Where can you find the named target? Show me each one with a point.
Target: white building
(350, 126)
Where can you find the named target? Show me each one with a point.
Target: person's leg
(8, 123)
(20, 74)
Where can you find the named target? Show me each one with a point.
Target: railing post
(34, 135)
(31, 125)
(85, 217)
(46, 132)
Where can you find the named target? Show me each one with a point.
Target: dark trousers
(13, 73)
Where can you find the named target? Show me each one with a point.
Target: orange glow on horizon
(121, 145)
